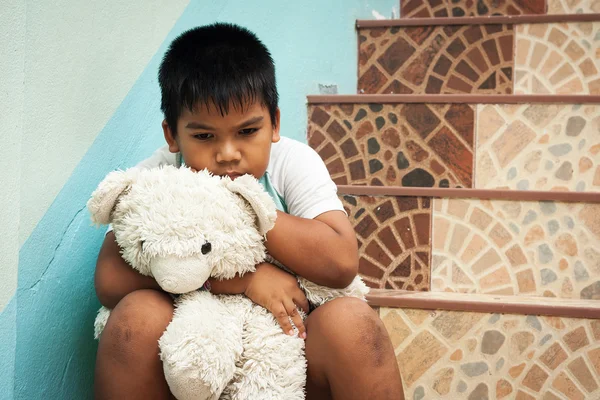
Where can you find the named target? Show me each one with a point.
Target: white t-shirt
(295, 171)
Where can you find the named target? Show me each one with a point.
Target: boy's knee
(137, 322)
(349, 324)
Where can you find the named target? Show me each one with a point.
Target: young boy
(220, 103)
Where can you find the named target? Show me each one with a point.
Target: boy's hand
(278, 292)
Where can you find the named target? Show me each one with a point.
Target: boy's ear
(248, 187)
(105, 197)
(277, 127)
(170, 137)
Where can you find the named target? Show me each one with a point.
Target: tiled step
(453, 346)
(485, 142)
(448, 8)
(546, 248)
(523, 54)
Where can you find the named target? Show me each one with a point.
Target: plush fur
(182, 227)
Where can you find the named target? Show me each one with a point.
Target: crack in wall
(55, 251)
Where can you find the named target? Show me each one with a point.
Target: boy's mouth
(233, 175)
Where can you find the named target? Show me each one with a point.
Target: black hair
(222, 64)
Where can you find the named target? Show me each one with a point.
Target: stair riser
(485, 146)
(557, 58)
(478, 246)
(456, 355)
(448, 8)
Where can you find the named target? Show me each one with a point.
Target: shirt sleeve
(308, 190)
(161, 157)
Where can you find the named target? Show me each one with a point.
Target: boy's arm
(323, 250)
(114, 278)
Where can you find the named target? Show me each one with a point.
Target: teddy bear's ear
(248, 187)
(104, 198)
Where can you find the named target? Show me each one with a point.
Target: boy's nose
(228, 153)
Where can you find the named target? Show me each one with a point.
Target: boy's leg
(349, 354)
(128, 365)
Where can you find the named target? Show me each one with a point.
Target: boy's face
(231, 145)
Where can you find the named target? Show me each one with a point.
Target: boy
(219, 99)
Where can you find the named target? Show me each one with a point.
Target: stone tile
(479, 393)
(573, 6)
(566, 386)
(523, 396)
(551, 396)
(567, 67)
(436, 59)
(533, 362)
(414, 362)
(582, 374)
(448, 8)
(576, 339)
(535, 378)
(454, 325)
(443, 381)
(503, 388)
(553, 356)
(395, 144)
(512, 248)
(394, 244)
(396, 327)
(516, 155)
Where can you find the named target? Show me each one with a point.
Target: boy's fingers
(301, 301)
(282, 318)
(296, 317)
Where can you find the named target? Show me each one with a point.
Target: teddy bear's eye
(206, 248)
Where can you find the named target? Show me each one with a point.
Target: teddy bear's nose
(206, 248)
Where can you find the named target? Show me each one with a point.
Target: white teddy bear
(182, 227)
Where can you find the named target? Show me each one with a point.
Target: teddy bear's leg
(273, 365)
(200, 347)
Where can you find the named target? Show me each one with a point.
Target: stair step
(513, 349)
(522, 54)
(519, 248)
(485, 303)
(485, 142)
(448, 8)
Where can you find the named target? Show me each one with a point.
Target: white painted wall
(12, 34)
(81, 59)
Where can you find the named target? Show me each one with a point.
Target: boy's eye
(203, 136)
(248, 131)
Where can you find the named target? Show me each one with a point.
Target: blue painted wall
(55, 305)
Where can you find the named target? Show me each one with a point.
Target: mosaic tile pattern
(516, 248)
(538, 147)
(394, 240)
(436, 59)
(558, 58)
(573, 6)
(422, 145)
(448, 8)
(462, 355)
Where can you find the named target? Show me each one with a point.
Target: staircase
(469, 164)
